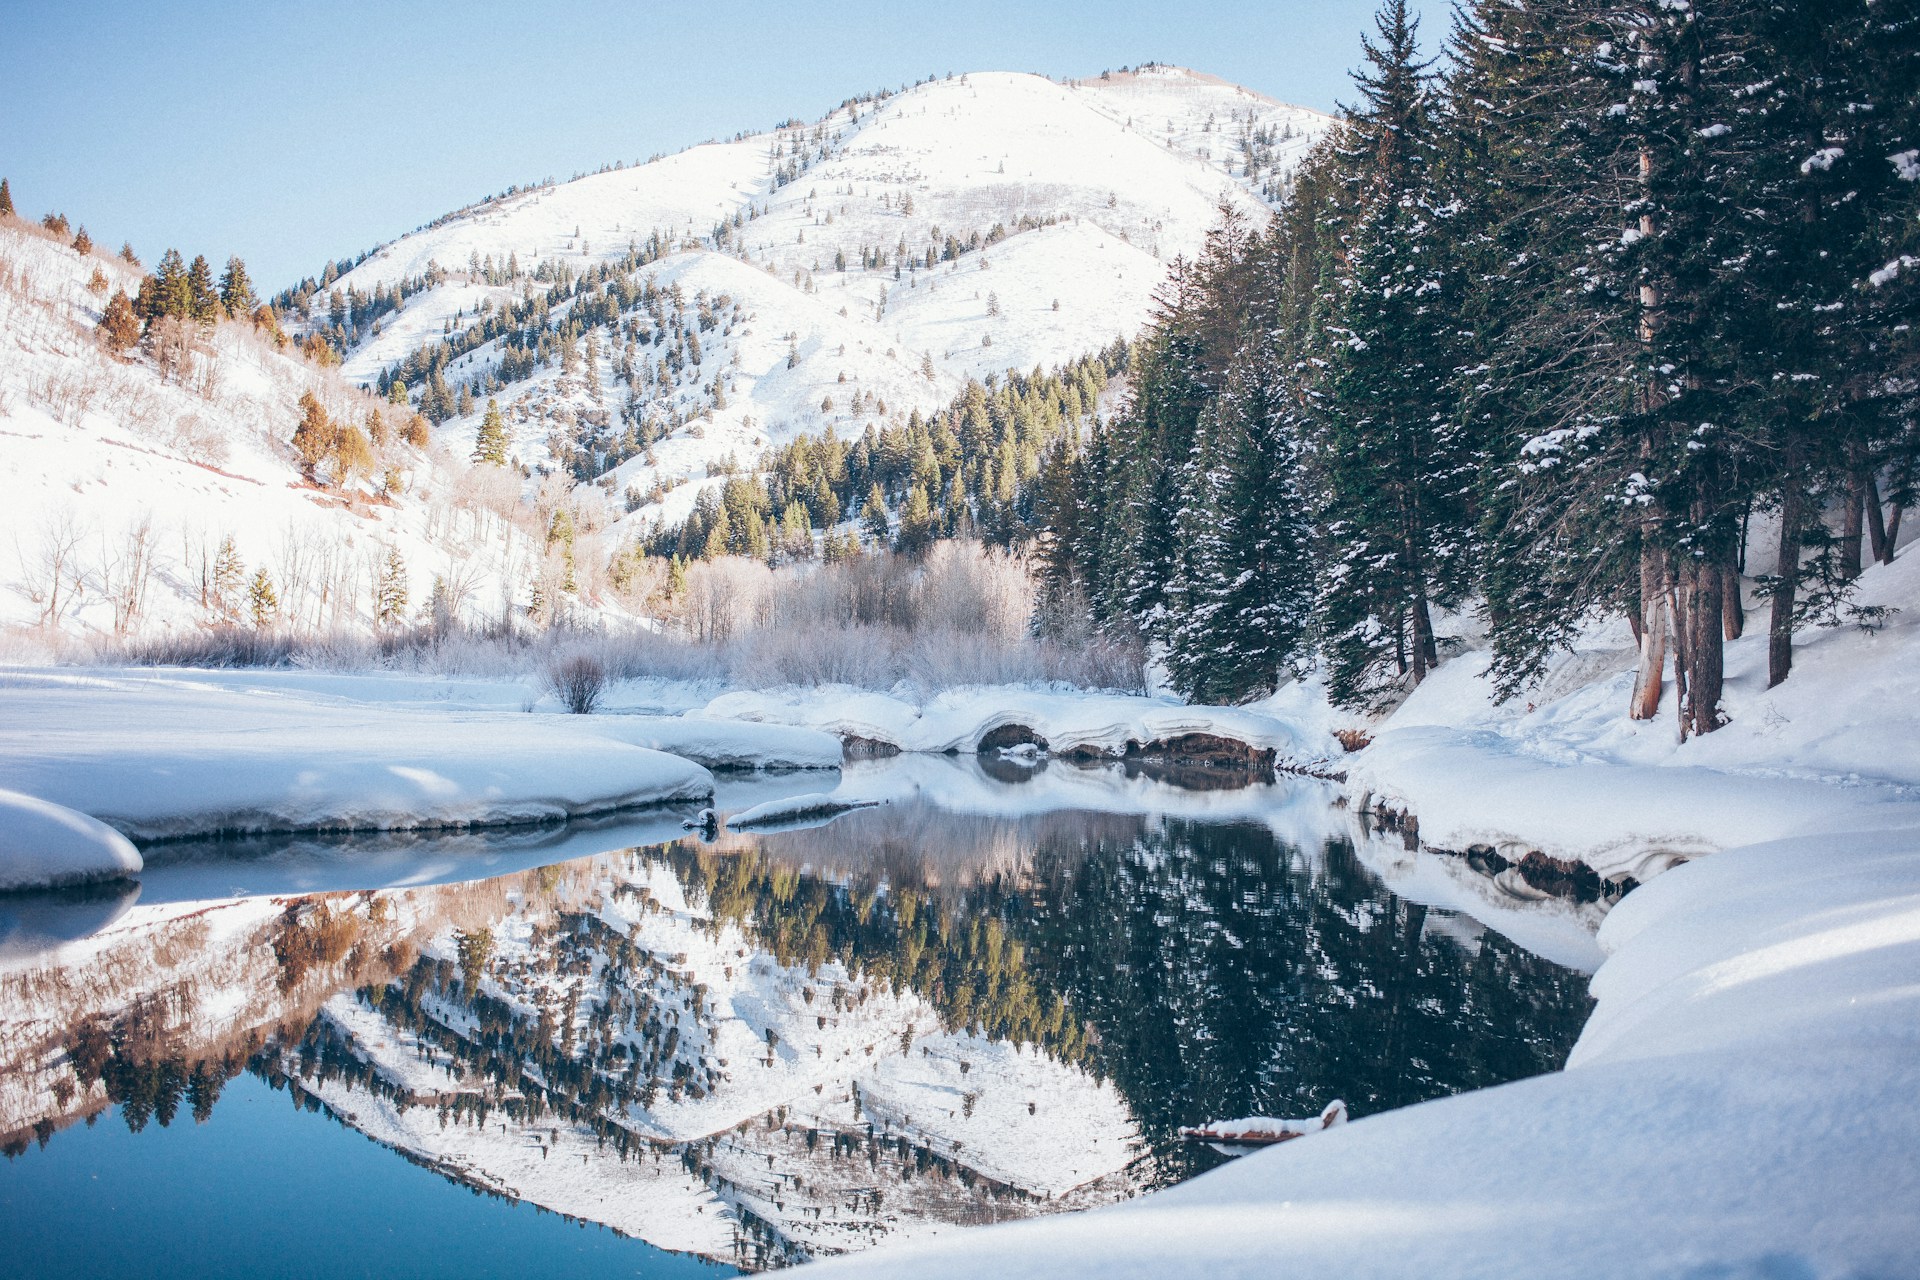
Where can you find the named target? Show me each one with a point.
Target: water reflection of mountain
(800, 1043)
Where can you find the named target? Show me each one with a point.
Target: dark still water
(998, 995)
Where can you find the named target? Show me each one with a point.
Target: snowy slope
(111, 465)
(1096, 186)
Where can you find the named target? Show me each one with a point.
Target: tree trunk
(1876, 523)
(1850, 529)
(1793, 504)
(1893, 531)
(1681, 596)
(1426, 654)
(1706, 653)
(1653, 633)
(1733, 611)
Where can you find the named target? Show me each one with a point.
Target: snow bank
(43, 845)
(159, 759)
(1744, 1102)
(1105, 725)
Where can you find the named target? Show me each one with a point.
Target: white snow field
(1745, 1102)
(44, 845)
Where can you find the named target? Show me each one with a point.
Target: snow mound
(1620, 820)
(45, 845)
(160, 759)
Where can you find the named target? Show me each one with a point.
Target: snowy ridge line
(1096, 185)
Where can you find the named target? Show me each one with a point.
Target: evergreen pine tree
(119, 327)
(873, 513)
(6, 199)
(229, 574)
(490, 442)
(237, 298)
(203, 298)
(1397, 468)
(262, 602)
(313, 437)
(390, 591)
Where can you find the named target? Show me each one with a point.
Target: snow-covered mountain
(985, 222)
(798, 260)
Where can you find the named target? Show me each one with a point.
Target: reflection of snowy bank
(1094, 725)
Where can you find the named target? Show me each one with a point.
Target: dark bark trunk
(1876, 523)
(1733, 610)
(1706, 653)
(1850, 527)
(1681, 592)
(1893, 531)
(1793, 506)
(1425, 652)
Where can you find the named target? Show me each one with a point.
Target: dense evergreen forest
(1546, 329)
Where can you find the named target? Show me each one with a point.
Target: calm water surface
(996, 996)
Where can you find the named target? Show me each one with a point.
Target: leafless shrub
(198, 440)
(69, 394)
(221, 646)
(178, 347)
(726, 597)
(577, 679)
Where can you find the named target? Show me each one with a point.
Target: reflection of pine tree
(1226, 974)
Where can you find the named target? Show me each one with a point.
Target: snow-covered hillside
(127, 476)
(1052, 212)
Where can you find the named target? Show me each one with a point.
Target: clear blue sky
(296, 133)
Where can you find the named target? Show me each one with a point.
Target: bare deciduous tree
(126, 571)
(50, 572)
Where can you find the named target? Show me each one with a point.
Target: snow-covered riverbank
(157, 758)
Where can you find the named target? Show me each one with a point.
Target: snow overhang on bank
(48, 846)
